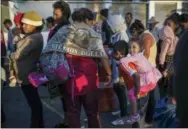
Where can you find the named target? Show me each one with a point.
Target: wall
(45, 7)
(4, 15)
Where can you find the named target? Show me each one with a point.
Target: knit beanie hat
(18, 18)
(32, 18)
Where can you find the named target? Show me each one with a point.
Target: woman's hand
(106, 65)
(109, 81)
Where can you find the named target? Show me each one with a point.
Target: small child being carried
(139, 75)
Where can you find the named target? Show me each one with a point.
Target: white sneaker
(115, 113)
(119, 121)
(132, 119)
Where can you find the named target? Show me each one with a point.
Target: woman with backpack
(86, 79)
(82, 47)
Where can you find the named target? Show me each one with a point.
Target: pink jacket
(148, 73)
(169, 43)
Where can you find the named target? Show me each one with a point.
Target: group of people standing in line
(137, 60)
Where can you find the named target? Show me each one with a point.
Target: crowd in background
(138, 62)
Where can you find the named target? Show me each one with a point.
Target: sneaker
(119, 121)
(132, 119)
(148, 125)
(115, 113)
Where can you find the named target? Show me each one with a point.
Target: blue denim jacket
(10, 41)
(115, 71)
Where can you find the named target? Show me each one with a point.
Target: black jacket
(180, 82)
(107, 31)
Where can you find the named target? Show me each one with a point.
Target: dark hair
(82, 14)
(165, 21)
(40, 28)
(104, 12)
(122, 46)
(175, 17)
(6, 21)
(184, 18)
(50, 20)
(64, 8)
(129, 13)
(75, 15)
(138, 26)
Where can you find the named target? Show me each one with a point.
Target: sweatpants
(73, 109)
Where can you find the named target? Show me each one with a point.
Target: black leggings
(34, 102)
(120, 91)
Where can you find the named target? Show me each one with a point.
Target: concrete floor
(18, 113)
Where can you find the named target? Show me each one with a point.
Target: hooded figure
(118, 26)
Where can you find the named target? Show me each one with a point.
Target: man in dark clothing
(180, 79)
(129, 21)
(106, 30)
(9, 26)
(61, 16)
(184, 22)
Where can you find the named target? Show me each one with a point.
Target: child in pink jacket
(140, 79)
